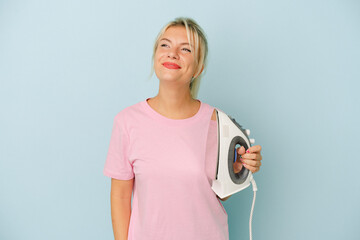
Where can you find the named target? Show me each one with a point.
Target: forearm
(223, 199)
(120, 215)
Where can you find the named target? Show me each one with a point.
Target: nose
(173, 54)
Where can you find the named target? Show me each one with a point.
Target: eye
(187, 50)
(164, 45)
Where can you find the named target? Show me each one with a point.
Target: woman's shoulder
(213, 109)
(128, 111)
(208, 105)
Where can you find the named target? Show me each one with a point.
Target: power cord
(253, 183)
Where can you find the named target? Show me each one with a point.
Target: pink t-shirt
(173, 162)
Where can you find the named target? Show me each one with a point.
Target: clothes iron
(226, 182)
(230, 134)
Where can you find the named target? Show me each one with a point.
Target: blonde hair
(197, 38)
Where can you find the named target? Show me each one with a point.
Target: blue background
(287, 70)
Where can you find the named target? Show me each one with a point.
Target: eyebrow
(184, 43)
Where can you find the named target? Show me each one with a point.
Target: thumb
(241, 150)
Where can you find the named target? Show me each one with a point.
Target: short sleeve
(117, 163)
(211, 152)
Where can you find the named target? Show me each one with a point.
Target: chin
(167, 77)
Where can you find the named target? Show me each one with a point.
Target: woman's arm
(223, 199)
(121, 191)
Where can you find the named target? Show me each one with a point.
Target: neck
(174, 99)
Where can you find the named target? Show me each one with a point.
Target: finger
(240, 153)
(251, 168)
(241, 150)
(254, 149)
(252, 163)
(251, 156)
(237, 167)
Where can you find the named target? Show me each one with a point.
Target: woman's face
(173, 60)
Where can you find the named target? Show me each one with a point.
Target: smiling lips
(171, 65)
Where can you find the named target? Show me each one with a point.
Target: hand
(251, 159)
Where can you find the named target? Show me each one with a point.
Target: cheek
(191, 64)
(189, 60)
(157, 66)
(160, 52)
(157, 58)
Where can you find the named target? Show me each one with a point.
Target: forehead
(175, 33)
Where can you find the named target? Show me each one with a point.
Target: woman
(164, 149)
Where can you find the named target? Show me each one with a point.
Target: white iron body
(230, 134)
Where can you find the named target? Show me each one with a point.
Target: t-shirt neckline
(170, 121)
